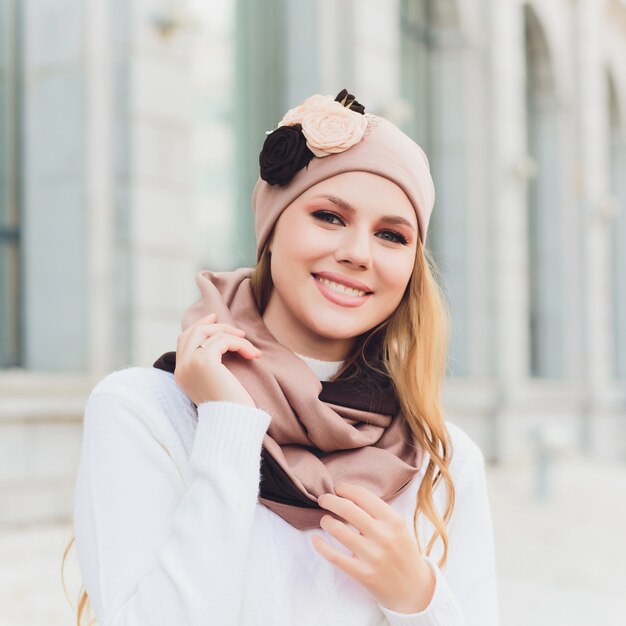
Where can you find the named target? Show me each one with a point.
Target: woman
(287, 464)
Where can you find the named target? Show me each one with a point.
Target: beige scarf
(321, 433)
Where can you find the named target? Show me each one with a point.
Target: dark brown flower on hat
(349, 101)
(284, 153)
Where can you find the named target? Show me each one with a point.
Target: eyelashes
(327, 216)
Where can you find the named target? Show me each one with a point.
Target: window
(432, 59)
(9, 187)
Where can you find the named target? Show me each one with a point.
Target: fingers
(228, 343)
(225, 342)
(371, 516)
(350, 511)
(202, 329)
(219, 344)
(201, 373)
(369, 502)
(217, 339)
(358, 544)
(351, 565)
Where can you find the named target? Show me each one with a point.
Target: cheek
(395, 273)
(290, 267)
(303, 245)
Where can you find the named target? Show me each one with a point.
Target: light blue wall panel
(10, 328)
(54, 207)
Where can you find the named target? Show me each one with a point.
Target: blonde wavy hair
(411, 345)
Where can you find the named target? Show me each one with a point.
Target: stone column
(601, 422)
(510, 170)
(155, 210)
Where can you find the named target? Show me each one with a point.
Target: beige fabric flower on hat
(330, 128)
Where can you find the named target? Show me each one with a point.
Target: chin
(337, 330)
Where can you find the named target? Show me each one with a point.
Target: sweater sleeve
(465, 592)
(153, 551)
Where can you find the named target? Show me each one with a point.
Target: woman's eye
(326, 216)
(329, 216)
(396, 237)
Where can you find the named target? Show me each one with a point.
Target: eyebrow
(387, 219)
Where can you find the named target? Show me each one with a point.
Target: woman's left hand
(385, 556)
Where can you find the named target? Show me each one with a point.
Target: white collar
(324, 370)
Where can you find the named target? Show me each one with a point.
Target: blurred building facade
(130, 133)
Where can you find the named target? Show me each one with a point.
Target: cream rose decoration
(330, 127)
(295, 115)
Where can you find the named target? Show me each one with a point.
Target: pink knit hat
(326, 136)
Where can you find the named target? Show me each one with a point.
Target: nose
(355, 249)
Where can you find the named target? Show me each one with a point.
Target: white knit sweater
(169, 531)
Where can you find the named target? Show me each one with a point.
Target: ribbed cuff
(443, 609)
(229, 434)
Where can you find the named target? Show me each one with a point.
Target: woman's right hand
(200, 373)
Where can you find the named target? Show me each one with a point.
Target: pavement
(560, 550)
(561, 559)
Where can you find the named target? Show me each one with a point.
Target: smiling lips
(339, 293)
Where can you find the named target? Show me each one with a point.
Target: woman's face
(342, 255)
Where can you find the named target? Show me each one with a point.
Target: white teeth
(340, 288)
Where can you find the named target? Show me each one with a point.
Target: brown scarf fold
(321, 432)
